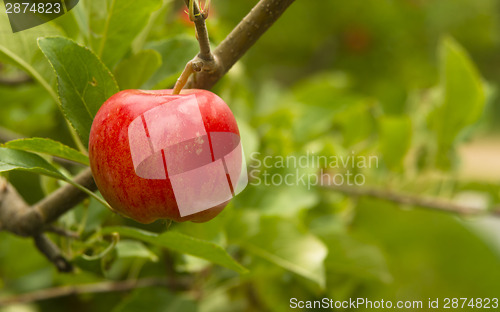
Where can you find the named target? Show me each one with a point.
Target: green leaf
(156, 300)
(69, 24)
(115, 24)
(325, 101)
(20, 49)
(49, 147)
(421, 245)
(395, 139)
(155, 18)
(134, 249)
(249, 138)
(282, 200)
(182, 243)
(352, 258)
(356, 121)
(319, 89)
(11, 159)
(23, 262)
(82, 19)
(27, 110)
(463, 97)
(175, 53)
(84, 82)
(284, 244)
(133, 72)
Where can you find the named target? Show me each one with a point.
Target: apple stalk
(205, 60)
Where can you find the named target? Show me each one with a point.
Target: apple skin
(145, 200)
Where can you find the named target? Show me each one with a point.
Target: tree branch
(243, 36)
(103, 287)
(201, 31)
(18, 217)
(204, 60)
(66, 197)
(52, 252)
(430, 203)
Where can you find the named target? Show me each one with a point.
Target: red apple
(155, 155)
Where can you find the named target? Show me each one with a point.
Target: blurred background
(412, 82)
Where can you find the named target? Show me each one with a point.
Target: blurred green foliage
(408, 81)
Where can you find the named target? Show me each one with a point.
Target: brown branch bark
(243, 36)
(15, 212)
(429, 203)
(201, 33)
(18, 217)
(52, 252)
(103, 287)
(65, 198)
(204, 60)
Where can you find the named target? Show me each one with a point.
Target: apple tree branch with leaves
(271, 239)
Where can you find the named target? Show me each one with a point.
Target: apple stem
(205, 60)
(182, 80)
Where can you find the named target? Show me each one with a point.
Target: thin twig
(52, 252)
(430, 203)
(103, 287)
(205, 60)
(243, 36)
(201, 32)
